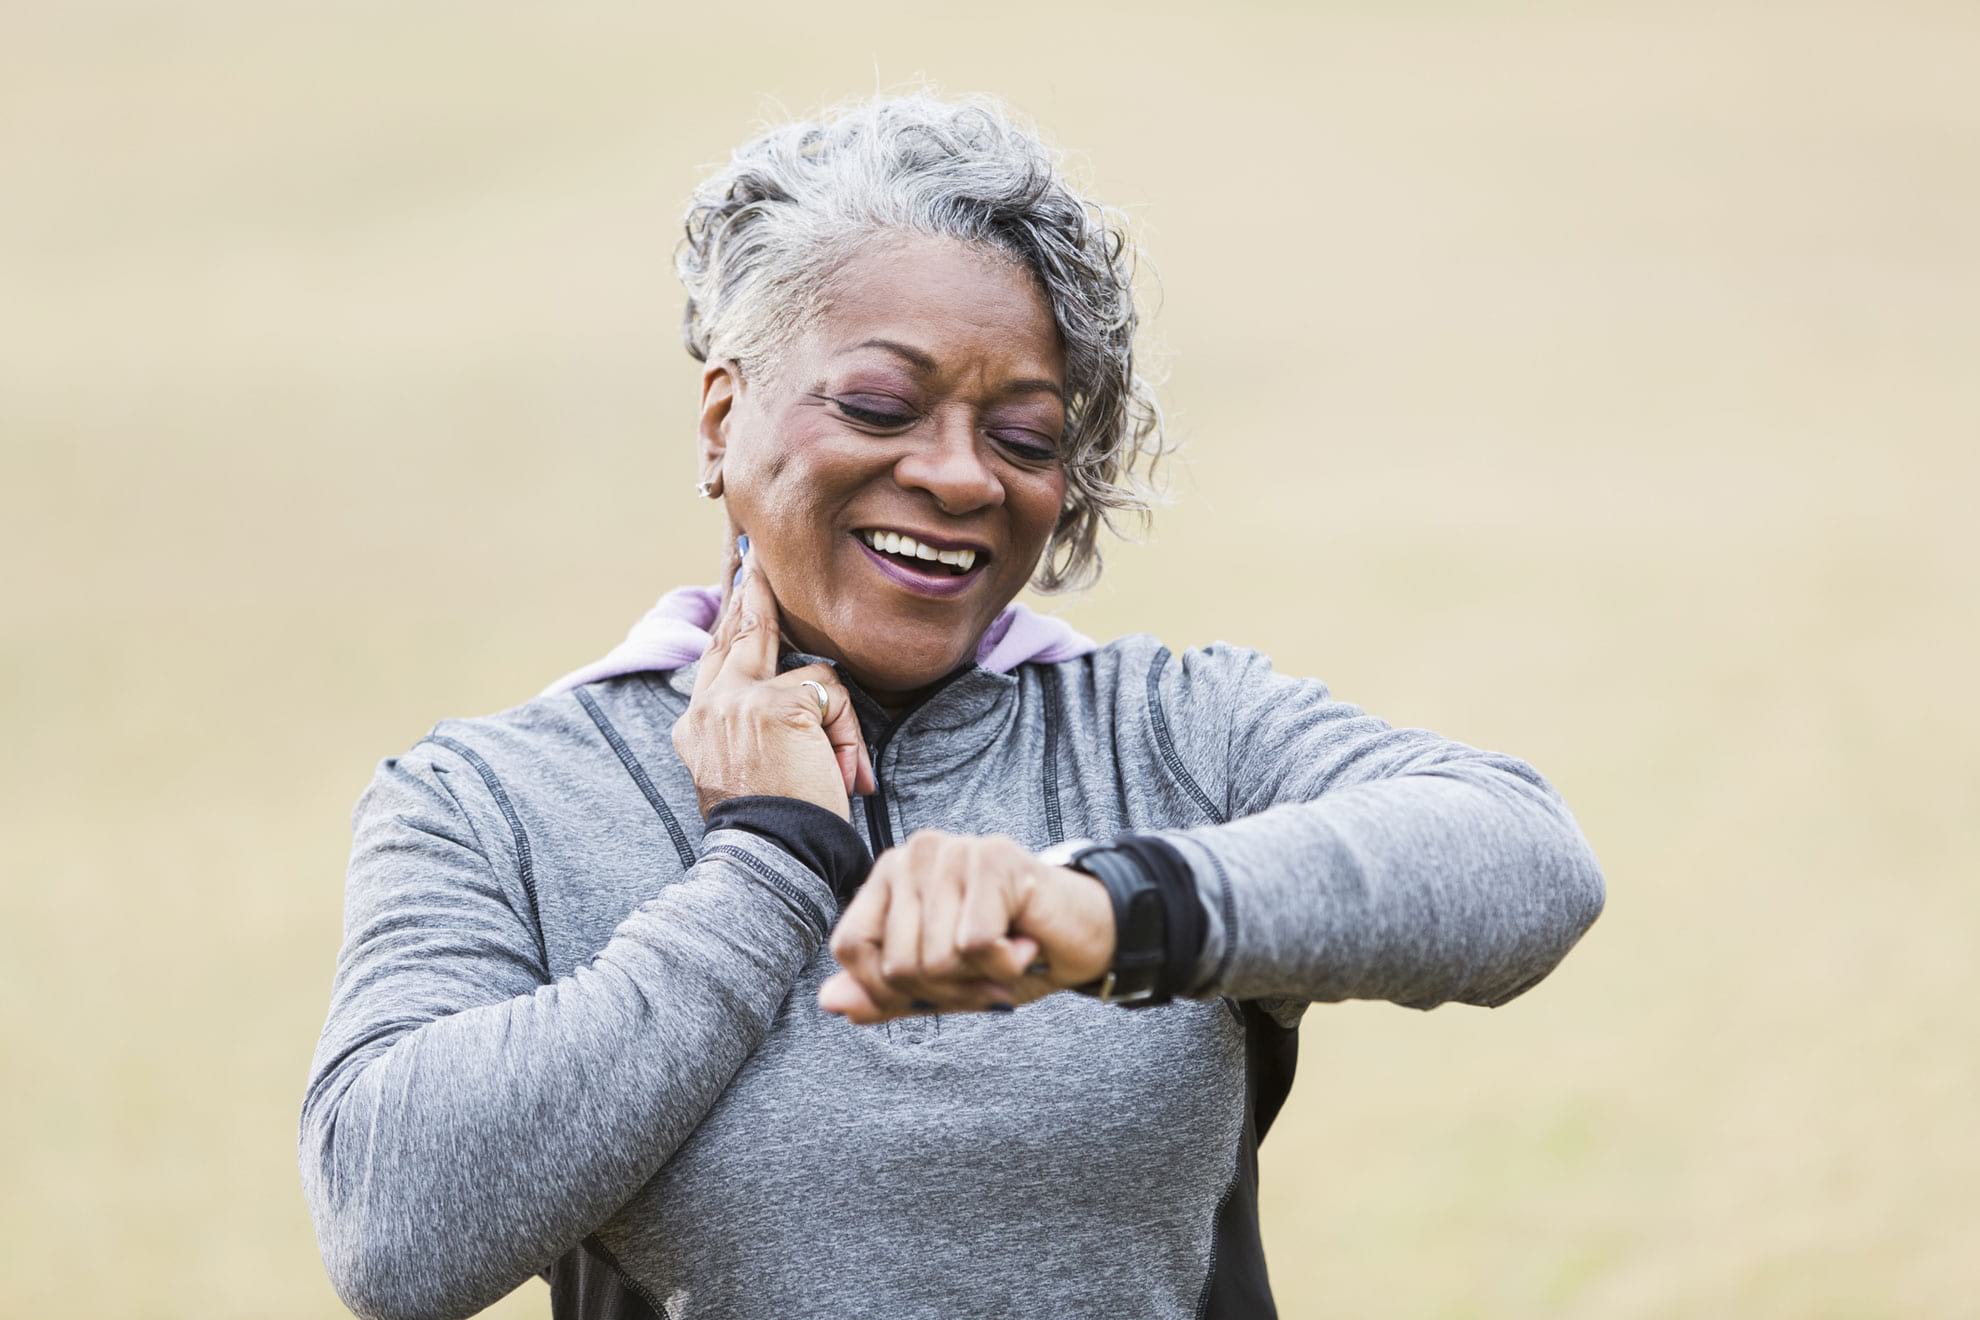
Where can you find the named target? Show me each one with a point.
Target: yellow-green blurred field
(1597, 383)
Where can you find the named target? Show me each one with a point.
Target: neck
(893, 702)
(893, 699)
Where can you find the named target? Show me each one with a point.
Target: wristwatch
(1141, 923)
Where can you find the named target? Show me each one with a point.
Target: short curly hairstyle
(766, 232)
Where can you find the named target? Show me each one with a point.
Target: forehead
(965, 308)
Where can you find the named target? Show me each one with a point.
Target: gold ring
(824, 702)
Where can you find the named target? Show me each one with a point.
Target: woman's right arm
(466, 1122)
(468, 1118)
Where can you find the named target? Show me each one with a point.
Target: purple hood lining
(675, 633)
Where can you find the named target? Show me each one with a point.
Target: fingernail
(742, 543)
(1002, 1008)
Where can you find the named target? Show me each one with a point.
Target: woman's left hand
(954, 923)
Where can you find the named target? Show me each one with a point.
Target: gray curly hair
(766, 232)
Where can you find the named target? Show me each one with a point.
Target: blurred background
(1595, 383)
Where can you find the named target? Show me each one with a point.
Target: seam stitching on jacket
(1167, 745)
(525, 864)
(682, 849)
(1230, 1190)
(1228, 902)
(1055, 829)
(790, 893)
(461, 807)
(634, 1286)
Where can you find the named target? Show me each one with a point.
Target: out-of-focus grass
(1598, 387)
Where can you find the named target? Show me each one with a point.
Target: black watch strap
(1141, 943)
(1186, 927)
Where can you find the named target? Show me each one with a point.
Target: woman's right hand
(751, 730)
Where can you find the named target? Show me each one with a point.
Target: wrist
(1159, 925)
(1134, 972)
(816, 836)
(1092, 915)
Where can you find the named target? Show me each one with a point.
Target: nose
(951, 467)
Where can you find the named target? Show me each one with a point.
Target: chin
(902, 656)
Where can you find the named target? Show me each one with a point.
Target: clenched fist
(953, 923)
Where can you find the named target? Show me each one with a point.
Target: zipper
(876, 820)
(880, 832)
(879, 829)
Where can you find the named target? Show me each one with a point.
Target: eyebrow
(923, 362)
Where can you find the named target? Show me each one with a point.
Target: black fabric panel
(823, 840)
(1238, 1287)
(1271, 1053)
(587, 1284)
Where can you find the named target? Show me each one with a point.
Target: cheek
(783, 477)
(1038, 504)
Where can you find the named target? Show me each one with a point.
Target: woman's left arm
(1353, 860)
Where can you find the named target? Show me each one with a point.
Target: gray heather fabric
(558, 1013)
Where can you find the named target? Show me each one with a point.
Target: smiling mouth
(921, 558)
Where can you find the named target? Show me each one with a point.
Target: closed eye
(873, 416)
(1020, 445)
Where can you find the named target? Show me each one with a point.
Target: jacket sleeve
(467, 1118)
(1352, 860)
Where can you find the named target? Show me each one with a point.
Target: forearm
(1469, 883)
(451, 1165)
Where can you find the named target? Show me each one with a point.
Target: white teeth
(894, 543)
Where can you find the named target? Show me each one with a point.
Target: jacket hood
(675, 633)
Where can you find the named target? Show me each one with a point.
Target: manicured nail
(742, 543)
(742, 556)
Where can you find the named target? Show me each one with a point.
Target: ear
(719, 385)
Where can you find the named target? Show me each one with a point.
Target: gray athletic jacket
(571, 1036)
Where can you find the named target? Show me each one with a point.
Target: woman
(689, 985)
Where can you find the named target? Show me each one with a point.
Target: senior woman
(693, 985)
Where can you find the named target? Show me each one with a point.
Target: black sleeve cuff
(820, 839)
(1164, 865)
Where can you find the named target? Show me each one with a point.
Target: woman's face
(925, 403)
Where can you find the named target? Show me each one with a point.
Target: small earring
(709, 488)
